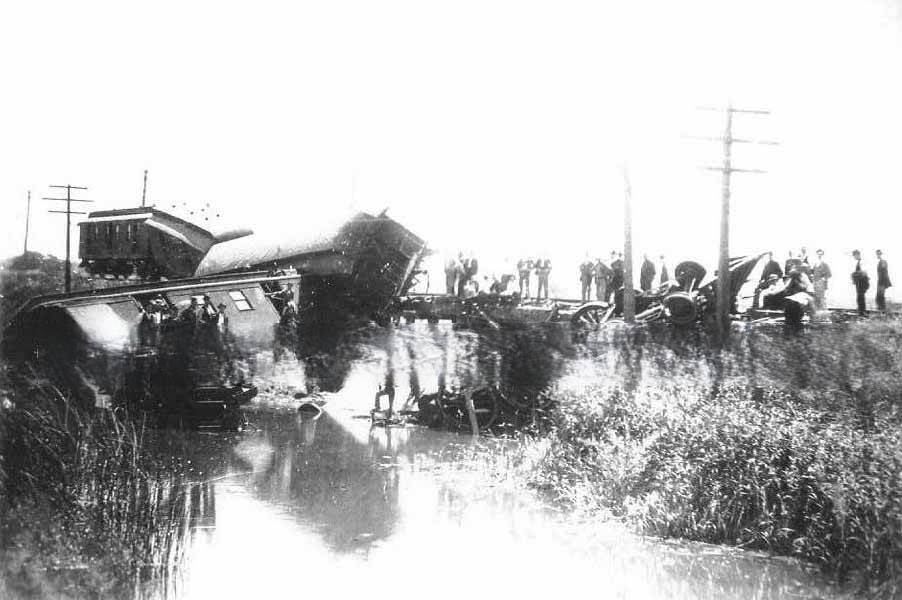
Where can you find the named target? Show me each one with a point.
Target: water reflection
(300, 504)
(407, 507)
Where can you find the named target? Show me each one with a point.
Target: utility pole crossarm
(724, 294)
(732, 170)
(708, 138)
(750, 111)
(68, 212)
(761, 142)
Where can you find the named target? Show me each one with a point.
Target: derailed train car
(177, 349)
(352, 266)
(146, 242)
(355, 266)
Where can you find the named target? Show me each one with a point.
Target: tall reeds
(86, 513)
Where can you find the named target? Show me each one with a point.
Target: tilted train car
(146, 242)
(353, 265)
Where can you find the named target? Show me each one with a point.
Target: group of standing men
(608, 278)
(862, 282)
(814, 277)
(542, 269)
(460, 275)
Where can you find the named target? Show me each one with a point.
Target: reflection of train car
(146, 242)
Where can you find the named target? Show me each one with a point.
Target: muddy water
(295, 506)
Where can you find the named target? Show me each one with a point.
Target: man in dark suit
(861, 281)
(543, 270)
(617, 273)
(883, 281)
(586, 273)
(771, 267)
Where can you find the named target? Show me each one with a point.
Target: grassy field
(785, 443)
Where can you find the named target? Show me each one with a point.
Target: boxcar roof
(143, 212)
(264, 248)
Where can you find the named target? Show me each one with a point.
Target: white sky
(493, 126)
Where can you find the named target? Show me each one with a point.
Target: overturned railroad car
(353, 266)
(179, 348)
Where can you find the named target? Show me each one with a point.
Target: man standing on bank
(861, 281)
(883, 282)
(820, 275)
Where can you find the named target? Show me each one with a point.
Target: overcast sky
(494, 126)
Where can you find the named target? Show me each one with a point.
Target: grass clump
(700, 446)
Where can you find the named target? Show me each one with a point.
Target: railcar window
(240, 300)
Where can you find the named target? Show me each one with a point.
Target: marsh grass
(84, 513)
(784, 443)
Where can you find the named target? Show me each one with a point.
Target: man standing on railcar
(586, 273)
(771, 267)
(617, 273)
(453, 269)
(543, 270)
(524, 271)
(602, 279)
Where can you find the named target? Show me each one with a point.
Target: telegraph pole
(144, 190)
(68, 212)
(723, 264)
(27, 219)
(629, 301)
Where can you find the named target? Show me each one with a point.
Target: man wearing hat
(771, 267)
(883, 281)
(861, 281)
(820, 276)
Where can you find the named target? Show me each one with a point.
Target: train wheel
(591, 315)
(486, 404)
